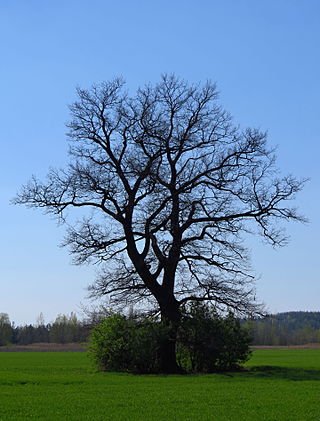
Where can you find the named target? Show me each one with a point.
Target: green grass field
(278, 385)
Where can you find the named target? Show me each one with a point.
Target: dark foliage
(206, 343)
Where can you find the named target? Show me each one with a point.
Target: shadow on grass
(289, 373)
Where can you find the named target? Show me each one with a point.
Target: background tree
(171, 185)
(6, 330)
(65, 329)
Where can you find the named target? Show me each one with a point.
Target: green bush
(127, 344)
(208, 342)
(110, 343)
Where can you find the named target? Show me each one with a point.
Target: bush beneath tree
(206, 342)
(119, 343)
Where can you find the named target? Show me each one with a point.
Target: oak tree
(169, 186)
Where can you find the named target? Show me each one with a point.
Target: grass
(278, 385)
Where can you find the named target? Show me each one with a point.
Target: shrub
(110, 343)
(127, 344)
(235, 349)
(207, 342)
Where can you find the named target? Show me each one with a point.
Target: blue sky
(265, 58)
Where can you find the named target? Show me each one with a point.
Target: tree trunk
(168, 361)
(170, 316)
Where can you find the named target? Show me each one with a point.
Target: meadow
(278, 384)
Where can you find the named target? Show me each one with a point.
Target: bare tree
(171, 185)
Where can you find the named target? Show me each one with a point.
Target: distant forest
(291, 328)
(65, 329)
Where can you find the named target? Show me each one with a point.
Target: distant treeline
(291, 328)
(64, 329)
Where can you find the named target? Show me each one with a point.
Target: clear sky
(264, 56)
